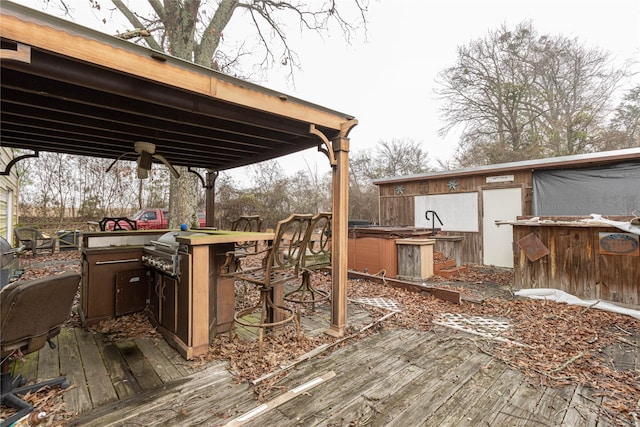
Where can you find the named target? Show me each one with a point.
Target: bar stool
(281, 263)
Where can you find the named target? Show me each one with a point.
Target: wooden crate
(415, 258)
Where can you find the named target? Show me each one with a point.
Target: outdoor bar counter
(589, 257)
(190, 304)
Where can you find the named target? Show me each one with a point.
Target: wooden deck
(394, 377)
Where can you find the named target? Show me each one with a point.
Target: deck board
(554, 404)
(583, 408)
(520, 408)
(439, 391)
(405, 408)
(27, 366)
(183, 366)
(166, 370)
(390, 377)
(99, 383)
(366, 366)
(165, 406)
(77, 396)
(123, 380)
(139, 365)
(476, 392)
(365, 403)
(492, 400)
(48, 362)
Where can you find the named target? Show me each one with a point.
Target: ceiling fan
(146, 152)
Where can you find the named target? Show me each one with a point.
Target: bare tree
(400, 156)
(520, 96)
(194, 30)
(624, 129)
(53, 184)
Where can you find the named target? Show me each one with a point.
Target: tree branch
(133, 19)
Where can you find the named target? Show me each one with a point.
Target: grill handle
(166, 245)
(117, 261)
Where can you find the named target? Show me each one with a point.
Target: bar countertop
(211, 237)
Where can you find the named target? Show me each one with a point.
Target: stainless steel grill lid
(167, 242)
(7, 253)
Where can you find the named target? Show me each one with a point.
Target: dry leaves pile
(46, 264)
(125, 327)
(572, 345)
(48, 400)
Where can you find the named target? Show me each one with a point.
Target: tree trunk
(183, 199)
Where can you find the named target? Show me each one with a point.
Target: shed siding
(397, 202)
(575, 265)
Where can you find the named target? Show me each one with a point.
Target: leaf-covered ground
(552, 344)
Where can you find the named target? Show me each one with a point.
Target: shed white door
(497, 241)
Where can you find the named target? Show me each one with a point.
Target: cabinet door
(170, 304)
(184, 301)
(101, 270)
(155, 294)
(132, 291)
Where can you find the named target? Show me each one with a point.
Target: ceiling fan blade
(173, 170)
(119, 157)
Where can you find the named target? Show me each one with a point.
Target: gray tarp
(610, 190)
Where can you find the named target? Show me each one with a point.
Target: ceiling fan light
(143, 173)
(145, 160)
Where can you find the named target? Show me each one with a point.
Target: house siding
(8, 186)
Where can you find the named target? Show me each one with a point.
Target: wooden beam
(443, 294)
(74, 41)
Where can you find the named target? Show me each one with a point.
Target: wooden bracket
(328, 151)
(211, 177)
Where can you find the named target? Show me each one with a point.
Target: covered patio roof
(70, 89)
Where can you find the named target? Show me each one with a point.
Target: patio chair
(317, 256)
(33, 312)
(242, 249)
(34, 240)
(281, 263)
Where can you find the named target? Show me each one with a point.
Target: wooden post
(210, 196)
(339, 231)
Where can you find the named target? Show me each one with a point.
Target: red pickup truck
(156, 219)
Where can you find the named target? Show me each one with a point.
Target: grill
(162, 254)
(9, 263)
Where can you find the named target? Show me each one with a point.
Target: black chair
(33, 312)
(280, 264)
(34, 240)
(117, 223)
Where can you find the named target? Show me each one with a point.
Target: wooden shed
(591, 258)
(469, 201)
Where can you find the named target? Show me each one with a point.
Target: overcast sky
(387, 82)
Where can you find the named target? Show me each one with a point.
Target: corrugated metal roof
(562, 162)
